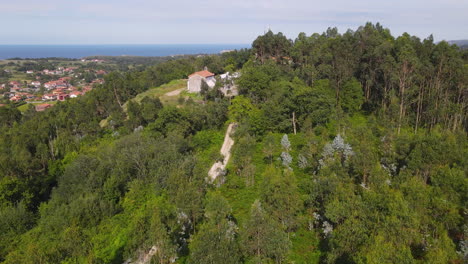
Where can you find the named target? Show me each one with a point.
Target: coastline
(80, 51)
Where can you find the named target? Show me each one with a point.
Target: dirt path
(175, 92)
(220, 166)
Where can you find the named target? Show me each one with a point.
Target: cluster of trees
(37, 65)
(405, 80)
(350, 148)
(377, 124)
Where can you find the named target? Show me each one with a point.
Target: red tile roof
(42, 107)
(202, 74)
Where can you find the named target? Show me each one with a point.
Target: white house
(75, 94)
(228, 87)
(195, 79)
(49, 97)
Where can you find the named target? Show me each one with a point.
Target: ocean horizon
(80, 51)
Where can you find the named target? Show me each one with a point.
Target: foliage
(349, 148)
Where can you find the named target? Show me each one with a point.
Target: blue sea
(79, 51)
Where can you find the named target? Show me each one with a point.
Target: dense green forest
(349, 148)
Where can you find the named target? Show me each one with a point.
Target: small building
(195, 80)
(75, 94)
(16, 98)
(49, 97)
(58, 91)
(62, 97)
(228, 86)
(101, 72)
(15, 83)
(42, 107)
(50, 85)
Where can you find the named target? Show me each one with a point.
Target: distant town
(45, 82)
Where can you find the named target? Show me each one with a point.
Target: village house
(47, 97)
(75, 94)
(56, 84)
(15, 89)
(97, 81)
(228, 87)
(15, 83)
(70, 69)
(52, 72)
(196, 79)
(25, 95)
(101, 72)
(49, 85)
(16, 98)
(58, 91)
(42, 107)
(62, 96)
(36, 83)
(29, 72)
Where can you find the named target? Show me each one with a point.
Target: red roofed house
(195, 79)
(70, 69)
(101, 72)
(15, 83)
(75, 94)
(50, 85)
(62, 97)
(49, 97)
(58, 91)
(16, 98)
(99, 81)
(42, 107)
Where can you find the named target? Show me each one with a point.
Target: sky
(218, 21)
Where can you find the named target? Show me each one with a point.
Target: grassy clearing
(170, 100)
(160, 91)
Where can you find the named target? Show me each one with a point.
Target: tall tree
(216, 241)
(263, 238)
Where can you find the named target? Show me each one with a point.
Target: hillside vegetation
(350, 148)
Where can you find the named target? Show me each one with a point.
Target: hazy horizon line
(117, 44)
